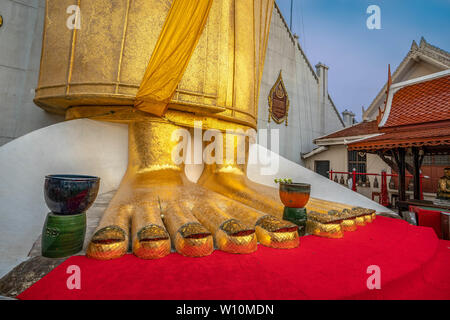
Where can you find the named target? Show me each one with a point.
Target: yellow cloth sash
(176, 44)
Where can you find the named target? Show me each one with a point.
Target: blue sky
(334, 32)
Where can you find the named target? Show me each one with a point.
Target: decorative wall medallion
(1, 21)
(279, 102)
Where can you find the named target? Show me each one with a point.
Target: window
(322, 167)
(427, 160)
(430, 160)
(442, 160)
(357, 160)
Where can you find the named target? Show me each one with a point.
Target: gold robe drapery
(176, 44)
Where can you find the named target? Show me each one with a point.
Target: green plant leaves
(288, 180)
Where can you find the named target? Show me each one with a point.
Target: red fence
(384, 198)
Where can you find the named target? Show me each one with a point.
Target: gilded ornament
(279, 102)
(443, 191)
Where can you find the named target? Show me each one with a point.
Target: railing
(384, 198)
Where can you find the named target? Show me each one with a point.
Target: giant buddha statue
(161, 66)
(169, 68)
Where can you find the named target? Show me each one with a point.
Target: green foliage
(283, 180)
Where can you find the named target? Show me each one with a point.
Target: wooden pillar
(401, 176)
(416, 164)
(384, 189)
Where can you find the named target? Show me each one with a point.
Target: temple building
(415, 122)
(310, 111)
(422, 64)
(135, 165)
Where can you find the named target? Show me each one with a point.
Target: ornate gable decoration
(279, 102)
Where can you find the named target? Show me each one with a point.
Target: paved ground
(26, 274)
(36, 267)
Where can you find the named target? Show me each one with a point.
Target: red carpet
(414, 265)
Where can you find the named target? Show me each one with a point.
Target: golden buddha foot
(151, 177)
(237, 227)
(163, 209)
(228, 176)
(327, 230)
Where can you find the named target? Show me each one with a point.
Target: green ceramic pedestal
(297, 216)
(62, 235)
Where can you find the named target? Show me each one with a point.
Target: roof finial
(423, 42)
(389, 83)
(389, 76)
(414, 46)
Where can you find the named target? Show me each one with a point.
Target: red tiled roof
(436, 135)
(423, 102)
(419, 116)
(359, 129)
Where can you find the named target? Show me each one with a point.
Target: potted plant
(294, 196)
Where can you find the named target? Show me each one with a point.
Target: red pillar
(354, 179)
(331, 174)
(401, 152)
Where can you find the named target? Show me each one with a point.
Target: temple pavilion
(415, 121)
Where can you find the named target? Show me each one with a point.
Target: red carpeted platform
(414, 264)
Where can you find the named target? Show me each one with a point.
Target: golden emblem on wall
(279, 102)
(1, 21)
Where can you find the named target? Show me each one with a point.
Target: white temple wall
(20, 53)
(305, 117)
(332, 122)
(336, 154)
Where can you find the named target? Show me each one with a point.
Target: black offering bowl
(70, 194)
